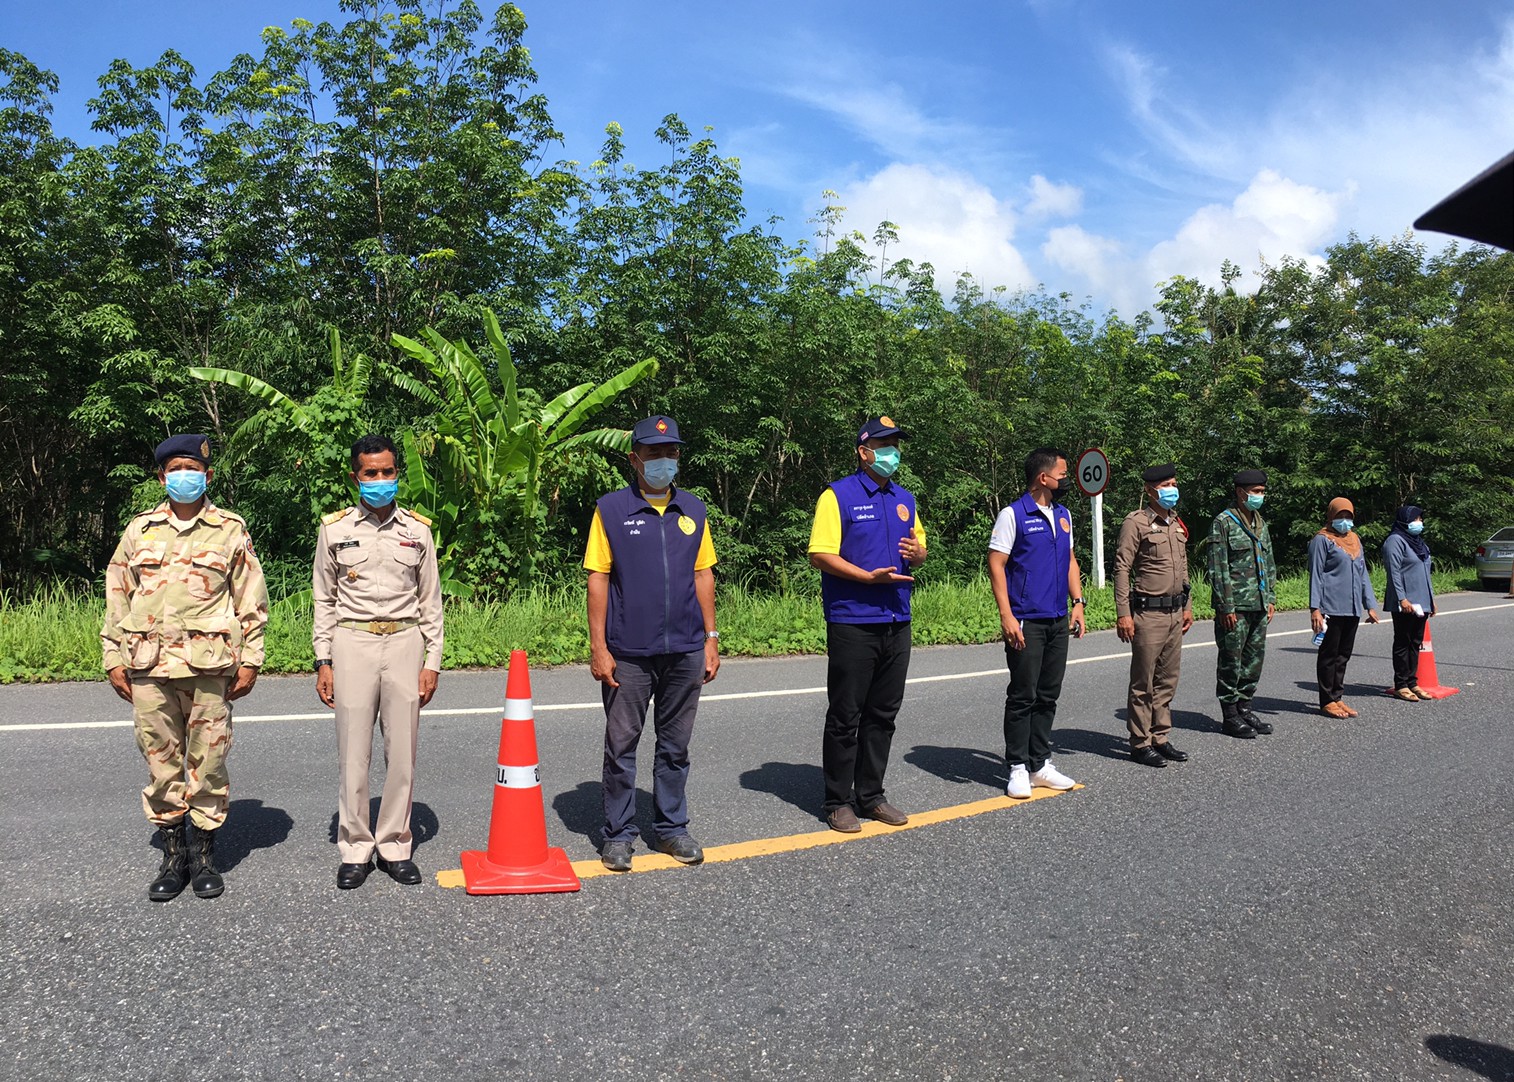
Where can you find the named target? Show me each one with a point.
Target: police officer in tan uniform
(1153, 612)
(378, 655)
(185, 608)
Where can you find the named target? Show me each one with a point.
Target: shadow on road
(800, 784)
(250, 824)
(1489, 1060)
(582, 810)
(1090, 742)
(423, 822)
(964, 766)
(1267, 705)
(1195, 722)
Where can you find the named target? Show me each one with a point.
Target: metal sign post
(1092, 475)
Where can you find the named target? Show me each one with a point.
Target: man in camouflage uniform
(185, 608)
(1243, 582)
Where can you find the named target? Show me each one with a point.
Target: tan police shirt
(368, 568)
(1150, 558)
(184, 596)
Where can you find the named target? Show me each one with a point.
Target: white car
(1495, 557)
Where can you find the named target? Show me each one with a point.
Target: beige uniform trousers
(183, 728)
(1156, 659)
(377, 677)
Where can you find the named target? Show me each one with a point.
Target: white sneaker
(1019, 783)
(1049, 777)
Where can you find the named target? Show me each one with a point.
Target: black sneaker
(616, 856)
(681, 848)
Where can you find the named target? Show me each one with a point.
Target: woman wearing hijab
(1339, 593)
(1409, 597)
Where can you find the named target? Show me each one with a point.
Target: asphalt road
(1330, 902)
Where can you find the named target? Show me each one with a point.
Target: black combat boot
(173, 874)
(207, 882)
(1232, 724)
(1263, 727)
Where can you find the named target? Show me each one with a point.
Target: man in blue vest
(866, 539)
(651, 635)
(1034, 573)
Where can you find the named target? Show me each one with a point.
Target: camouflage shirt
(184, 598)
(1242, 574)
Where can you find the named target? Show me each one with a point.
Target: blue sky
(1095, 147)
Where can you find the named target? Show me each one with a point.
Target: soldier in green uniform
(1242, 579)
(185, 608)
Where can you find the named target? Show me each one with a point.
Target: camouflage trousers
(1243, 648)
(184, 732)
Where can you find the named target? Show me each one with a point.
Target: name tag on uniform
(347, 545)
(864, 512)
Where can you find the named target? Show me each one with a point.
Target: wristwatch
(320, 662)
(712, 634)
(1077, 601)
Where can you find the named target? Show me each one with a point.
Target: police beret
(192, 445)
(1247, 478)
(656, 429)
(1152, 474)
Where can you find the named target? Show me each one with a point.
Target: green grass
(56, 636)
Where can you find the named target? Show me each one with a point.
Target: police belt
(379, 627)
(1158, 602)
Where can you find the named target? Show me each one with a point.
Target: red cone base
(553, 876)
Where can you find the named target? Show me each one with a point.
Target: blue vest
(652, 606)
(1039, 561)
(873, 520)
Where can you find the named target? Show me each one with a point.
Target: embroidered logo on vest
(903, 513)
(686, 524)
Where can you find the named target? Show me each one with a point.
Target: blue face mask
(658, 473)
(1254, 500)
(885, 461)
(1167, 496)
(378, 493)
(1342, 525)
(185, 486)
(1416, 528)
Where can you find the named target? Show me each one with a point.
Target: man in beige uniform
(185, 607)
(1154, 611)
(378, 654)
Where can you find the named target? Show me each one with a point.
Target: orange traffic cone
(518, 860)
(1428, 680)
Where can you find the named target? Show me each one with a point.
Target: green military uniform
(185, 607)
(1242, 580)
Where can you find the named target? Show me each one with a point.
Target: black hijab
(1407, 514)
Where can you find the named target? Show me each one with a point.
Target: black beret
(192, 445)
(1165, 472)
(1247, 478)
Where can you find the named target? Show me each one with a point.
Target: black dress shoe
(1147, 756)
(352, 876)
(1167, 751)
(1263, 727)
(401, 871)
(1237, 728)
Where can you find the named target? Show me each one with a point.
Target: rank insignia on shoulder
(422, 519)
(335, 516)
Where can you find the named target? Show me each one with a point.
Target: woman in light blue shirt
(1410, 598)
(1339, 594)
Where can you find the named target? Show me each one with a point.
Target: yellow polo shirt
(597, 555)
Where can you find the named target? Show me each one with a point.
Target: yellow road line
(792, 843)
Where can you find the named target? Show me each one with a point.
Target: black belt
(1158, 603)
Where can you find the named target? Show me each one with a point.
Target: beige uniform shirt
(184, 598)
(1150, 558)
(367, 569)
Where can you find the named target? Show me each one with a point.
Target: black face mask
(1062, 487)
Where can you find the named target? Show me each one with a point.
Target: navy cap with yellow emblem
(656, 429)
(878, 428)
(193, 445)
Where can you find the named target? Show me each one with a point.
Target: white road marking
(542, 708)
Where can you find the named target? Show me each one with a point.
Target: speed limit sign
(1092, 471)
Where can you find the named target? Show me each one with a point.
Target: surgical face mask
(185, 486)
(885, 461)
(378, 493)
(658, 473)
(1062, 488)
(1416, 528)
(1342, 525)
(1254, 500)
(1167, 495)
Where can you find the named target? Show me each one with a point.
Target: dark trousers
(675, 681)
(1334, 654)
(1408, 637)
(1035, 682)
(868, 664)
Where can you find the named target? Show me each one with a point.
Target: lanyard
(1256, 549)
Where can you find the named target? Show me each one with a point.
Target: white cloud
(1048, 200)
(946, 218)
